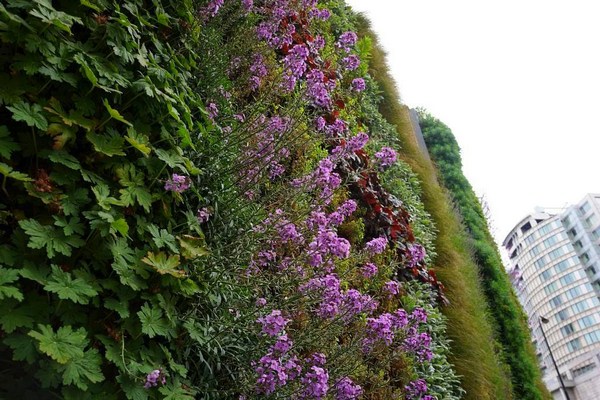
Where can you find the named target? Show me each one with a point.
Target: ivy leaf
(74, 200)
(10, 173)
(121, 307)
(120, 225)
(67, 288)
(14, 318)
(153, 323)
(164, 264)
(192, 247)
(102, 193)
(111, 143)
(63, 345)
(31, 115)
(7, 145)
(126, 265)
(46, 236)
(115, 114)
(134, 187)
(35, 272)
(80, 371)
(174, 391)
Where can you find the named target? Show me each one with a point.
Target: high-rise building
(555, 269)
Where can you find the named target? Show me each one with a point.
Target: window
(580, 306)
(567, 329)
(539, 263)
(591, 220)
(585, 257)
(566, 221)
(572, 232)
(552, 240)
(529, 239)
(578, 245)
(590, 271)
(574, 345)
(596, 233)
(535, 250)
(546, 274)
(561, 266)
(592, 337)
(569, 278)
(586, 321)
(526, 227)
(545, 229)
(551, 288)
(554, 254)
(572, 293)
(562, 315)
(582, 370)
(555, 301)
(585, 208)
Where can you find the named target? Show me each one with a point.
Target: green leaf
(71, 226)
(139, 141)
(46, 236)
(35, 272)
(67, 288)
(64, 158)
(7, 145)
(115, 114)
(19, 317)
(119, 306)
(74, 200)
(153, 323)
(120, 225)
(49, 15)
(111, 143)
(23, 348)
(10, 173)
(83, 370)
(102, 193)
(188, 287)
(31, 115)
(192, 247)
(135, 189)
(174, 391)
(164, 264)
(162, 238)
(8, 276)
(62, 345)
(126, 265)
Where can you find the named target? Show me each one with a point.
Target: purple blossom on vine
(203, 215)
(392, 288)
(247, 4)
(417, 254)
(282, 345)
(358, 84)
(271, 374)
(154, 377)
(261, 302)
(369, 270)
(346, 41)
(273, 323)
(415, 389)
(315, 383)
(351, 62)
(346, 389)
(386, 156)
(212, 110)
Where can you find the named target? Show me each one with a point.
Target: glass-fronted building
(555, 269)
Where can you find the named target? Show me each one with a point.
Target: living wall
(192, 208)
(511, 324)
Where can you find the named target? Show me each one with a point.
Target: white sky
(517, 81)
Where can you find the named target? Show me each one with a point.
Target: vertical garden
(211, 200)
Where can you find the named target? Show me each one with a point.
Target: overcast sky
(517, 81)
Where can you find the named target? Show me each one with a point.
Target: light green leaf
(153, 323)
(164, 264)
(62, 345)
(51, 16)
(139, 141)
(115, 114)
(162, 238)
(192, 247)
(71, 226)
(120, 225)
(31, 115)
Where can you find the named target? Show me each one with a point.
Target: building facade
(555, 269)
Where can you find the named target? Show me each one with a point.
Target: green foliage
(512, 330)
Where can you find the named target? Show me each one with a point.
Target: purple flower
(178, 183)
(261, 302)
(315, 383)
(153, 377)
(354, 303)
(419, 315)
(357, 142)
(212, 110)
(415, 389)
(213, 6)
(386, 156)
(273, 323)
(358, 84)
(203, 215)
(320, 123)
(369, 270)
(351, 62)
(380, 328)
(346, 41)
(417, 254)
(271, 374)
(392, 288)
(419, 344)
(283, 345)
(376, 246)
(327, 290)
(345, 389)
(247, 4)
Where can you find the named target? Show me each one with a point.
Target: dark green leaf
(31, 115)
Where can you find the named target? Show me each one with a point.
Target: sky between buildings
(517, 81)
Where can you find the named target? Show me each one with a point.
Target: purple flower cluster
(351, 62)
(358, 84)
(154, 377)
(386, 156)
(392, 288)
(346, 41)
(213, 111)
(419, 344)
(273, 323)
(415, 389)
(346, 389)
(258, 70)
(178, 183)
(203, 215)
(369, 270)
(271, 374)
(315, 383)
(327, 289)
(417, 255)
(377, 245)
(212, 8)
(322, 178)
